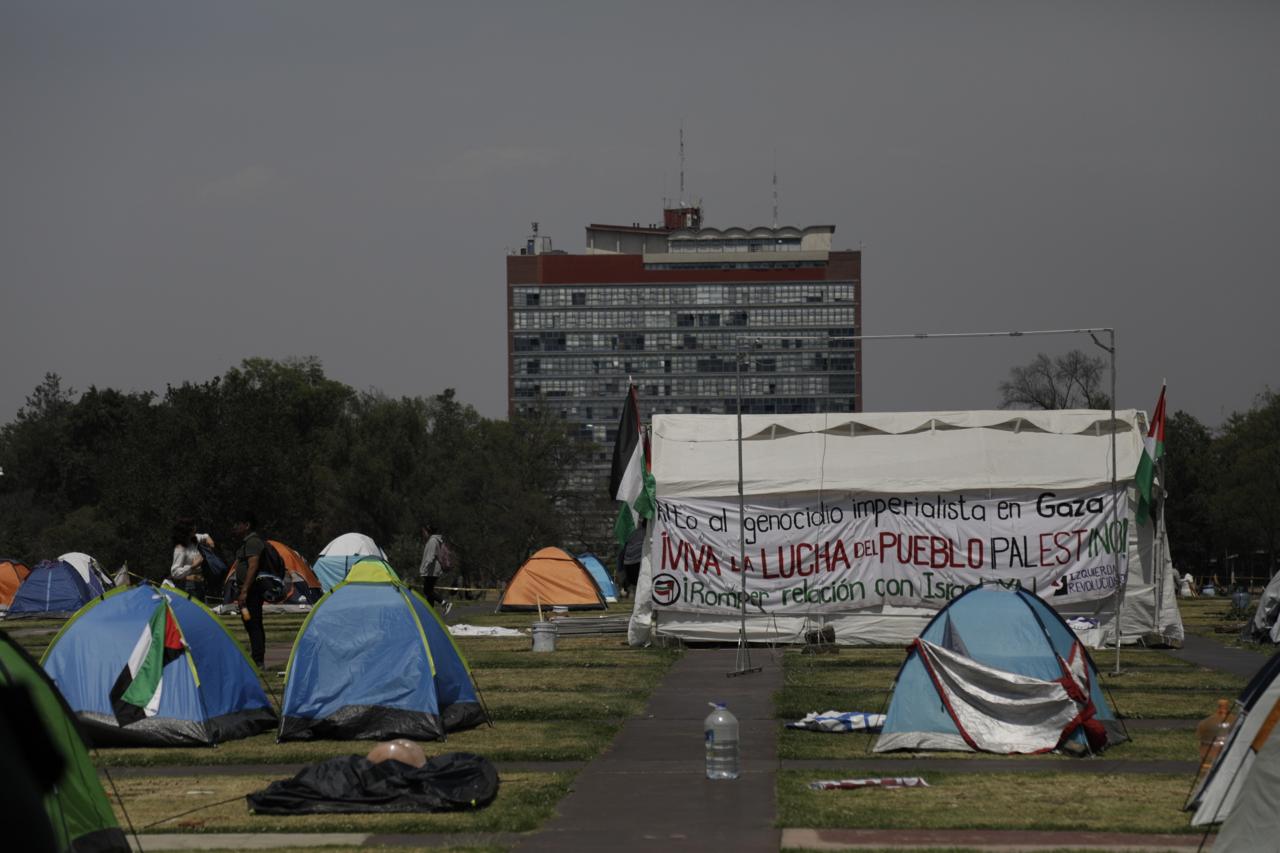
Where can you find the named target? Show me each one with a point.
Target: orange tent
(12, 574)
(294, 562)
(552, 578)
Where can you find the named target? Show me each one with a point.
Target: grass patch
(1177, 704)
(524, 801)
(1147, 803)
(538, 740)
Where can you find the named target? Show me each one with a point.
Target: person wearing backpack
(249, 562)
(435, 555)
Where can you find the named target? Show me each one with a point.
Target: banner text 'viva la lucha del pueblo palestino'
(1042, 517)
(804, 554)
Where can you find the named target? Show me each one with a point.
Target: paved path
(1202, 651)
(649, 791)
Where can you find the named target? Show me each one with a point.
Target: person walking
(188, 569)
(431, 567)
(249, 597)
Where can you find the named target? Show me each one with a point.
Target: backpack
(215, 567)
(270, 562)
(445, 556)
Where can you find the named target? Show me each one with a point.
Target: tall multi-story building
(677, 308)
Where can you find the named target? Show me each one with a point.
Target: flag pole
(742, 663)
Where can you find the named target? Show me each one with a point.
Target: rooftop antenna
(775, 188)
(682, 163)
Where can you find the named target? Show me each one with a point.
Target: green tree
(1190, 473)
(1248, 495)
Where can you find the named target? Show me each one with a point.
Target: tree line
(108, 472)
(1222, 505)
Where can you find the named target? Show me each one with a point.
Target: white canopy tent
(843, 459)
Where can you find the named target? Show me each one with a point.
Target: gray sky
(183, 185)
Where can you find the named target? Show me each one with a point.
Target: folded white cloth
(883, 782)
(483, 631)
(839, 721)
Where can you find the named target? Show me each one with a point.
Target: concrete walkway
(1202, 651)
(649, 789)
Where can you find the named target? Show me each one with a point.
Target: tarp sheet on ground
(870, 523)
(351, 784)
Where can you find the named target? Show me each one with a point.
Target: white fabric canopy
(905, 453)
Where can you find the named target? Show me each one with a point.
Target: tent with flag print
(997, 670)
(143, 666)
(373, 660)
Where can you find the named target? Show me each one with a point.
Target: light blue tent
(600, 575)
(374, 661)
(998, 670)
(208, 694)
(340, 555)
(53, 587)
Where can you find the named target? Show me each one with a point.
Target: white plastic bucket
(544, 636)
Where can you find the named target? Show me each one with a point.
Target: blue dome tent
(373, 660)
(998, 670)
(206, 689)
(600, 575)
(53, 587)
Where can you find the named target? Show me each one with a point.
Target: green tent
(78, 811)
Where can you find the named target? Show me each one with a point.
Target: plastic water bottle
(1212, 733)
(721, 734)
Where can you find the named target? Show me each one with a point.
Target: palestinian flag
(136, 693)
(1152, 450)
(631, 482)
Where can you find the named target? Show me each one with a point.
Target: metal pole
(742, 665)
(1121, 580)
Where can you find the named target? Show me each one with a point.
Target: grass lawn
(524, 801)
(1148, 803)
(567, 706)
